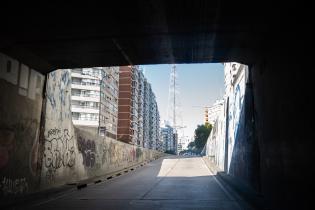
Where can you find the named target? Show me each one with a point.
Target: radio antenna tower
(173, 98)
(173, 112)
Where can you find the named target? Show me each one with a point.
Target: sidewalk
(237, 188)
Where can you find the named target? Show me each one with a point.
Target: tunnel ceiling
(146, 32)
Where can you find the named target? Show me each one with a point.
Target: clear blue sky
(199, 85)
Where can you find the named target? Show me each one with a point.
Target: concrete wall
(283, 86)
(20, 113)
(235, 115)
(73, 154)
(215, 147)
(244, 155)
(273, 148)
(232, 145)
(61, 161)
(39, 146)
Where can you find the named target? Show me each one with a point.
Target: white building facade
(94, 99)
(167, 135)
(227, 116)
(214, 111)
(146, 113)
(140, 108)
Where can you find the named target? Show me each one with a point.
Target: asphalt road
(167, 183)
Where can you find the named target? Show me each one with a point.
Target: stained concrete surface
(168, 183)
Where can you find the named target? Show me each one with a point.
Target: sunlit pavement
(168, 183)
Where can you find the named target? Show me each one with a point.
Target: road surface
(171, 182)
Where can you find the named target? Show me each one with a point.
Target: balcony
(83, 76)
(84, 97)
(85, 86)
(84, 109)
(85, 122)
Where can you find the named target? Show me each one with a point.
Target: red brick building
(128, 104)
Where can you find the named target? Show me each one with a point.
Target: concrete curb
(246, 195)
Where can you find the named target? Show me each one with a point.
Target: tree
(202, 133)
(191, 145)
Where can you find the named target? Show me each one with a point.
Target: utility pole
(174, 85)
(172, 100)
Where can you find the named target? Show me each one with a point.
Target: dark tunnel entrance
(274, 41)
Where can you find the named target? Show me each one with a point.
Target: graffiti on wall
(30, 82)
(117, 154)
(88, 151)
(7, 144)
(58, 93)
(105, 154)
(20, 115)
(13, 186)
(132, 154)
(34, 155)
(138, 153)
(59, 151)
(14, 144)
(235, 109)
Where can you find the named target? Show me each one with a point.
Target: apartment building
(128, 104)
(152, 122)
(159, 144)
(214, 111)
(138, 114)
(109, 100)
(94, 99)
(140, 140)
(146, 113)
(167, 135)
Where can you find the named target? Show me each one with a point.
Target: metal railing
(85, 118)
(85, 83)
(84, 106)
(85, 95)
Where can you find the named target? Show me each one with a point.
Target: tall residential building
(159, 144)
(94, 99)
(109, 100)
(140, 140)
(153, 123)
(146, 113)
(138, 114)
(128, 104)
(167, 135)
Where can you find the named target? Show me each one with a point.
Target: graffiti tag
(87, 148)
(14, 186)
(59, 149)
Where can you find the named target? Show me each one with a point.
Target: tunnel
(273, 39)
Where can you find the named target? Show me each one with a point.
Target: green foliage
(191, 145)
(202, 133)
(209, 126)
